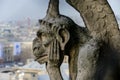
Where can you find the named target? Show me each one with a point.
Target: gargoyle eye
(39, 34)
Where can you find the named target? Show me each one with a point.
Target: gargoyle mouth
(42, 59)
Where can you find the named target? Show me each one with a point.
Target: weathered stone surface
(103, 27)
(87, 60)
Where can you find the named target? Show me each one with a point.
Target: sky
(36, 9)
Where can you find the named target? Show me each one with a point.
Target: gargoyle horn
(53, 8)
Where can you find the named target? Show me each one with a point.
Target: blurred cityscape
(18, 31)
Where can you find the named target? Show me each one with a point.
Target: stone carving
(58, 36)
(93, 54)
(52, 38)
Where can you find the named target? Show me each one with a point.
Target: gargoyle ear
(63, 37)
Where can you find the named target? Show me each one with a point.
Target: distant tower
(28, 21)
(8, 53)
